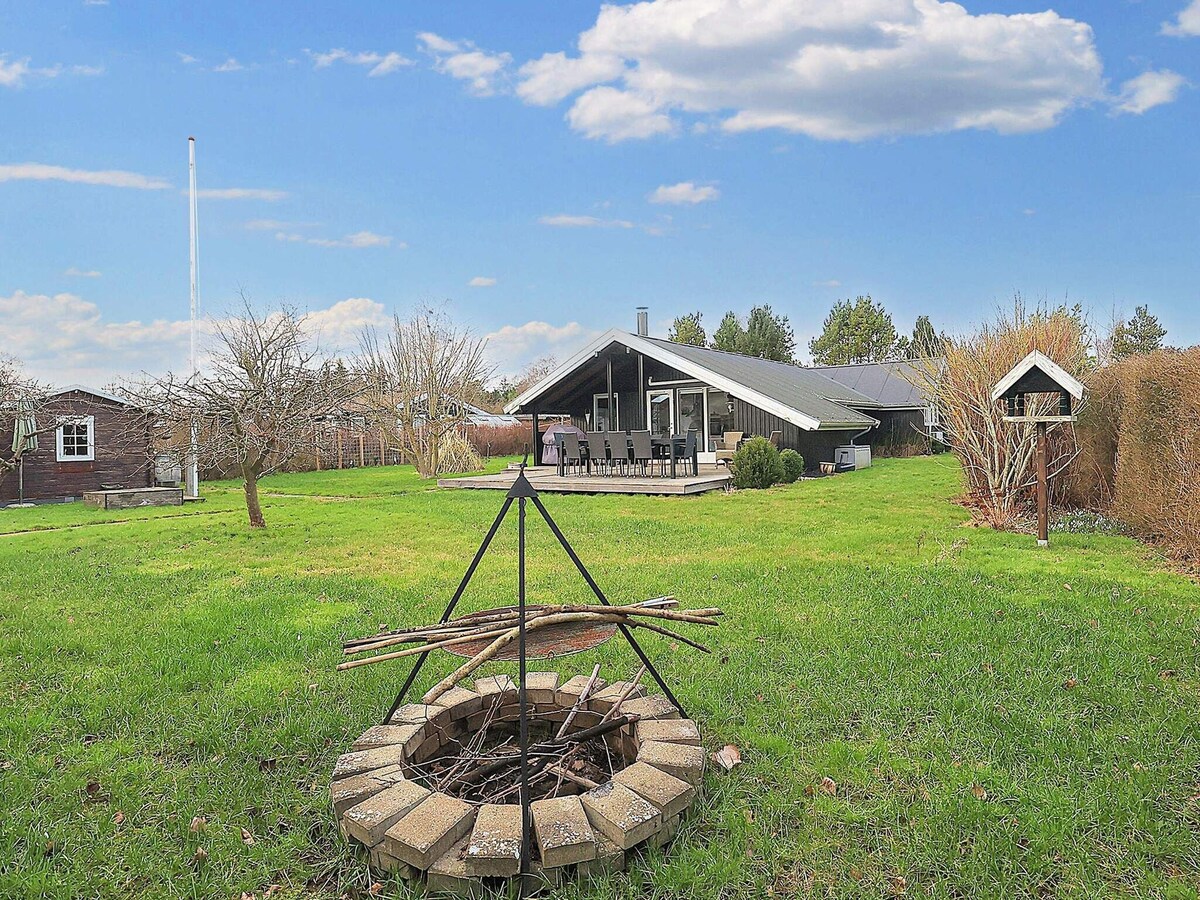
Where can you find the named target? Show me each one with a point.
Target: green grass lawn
(999, 720)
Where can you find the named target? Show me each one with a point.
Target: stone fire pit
(383, 798)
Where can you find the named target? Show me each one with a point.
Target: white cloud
(230, 65)
(378, 63)
(1148, 90)
(826, 68)
(271, 225)
(567, 221)
(14, 73)
(65, 339)
(463, 60)
(267, 194)
(1186, 24)
(338, 328)
(107, 177)
(82, 273)
(186, 58)
(358, 240)
(683, 192)
(481, 281)
(513, 347)
(829, 283)
(612, 115)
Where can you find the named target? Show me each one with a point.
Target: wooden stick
(413, 651)
(615, 709)
(499, 644)
(579, 701)
(671, 634)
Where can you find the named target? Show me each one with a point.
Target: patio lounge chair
(775, 438)
(727, 446)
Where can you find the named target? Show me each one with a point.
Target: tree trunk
(250, 486)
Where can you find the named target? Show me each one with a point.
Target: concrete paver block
(541, 687)
(383, 735)
(609, 859)
(562, 831)
(460, 701)
(603, 701)
(681, 760)
(353, 790)
(656, 706)
(367, 821)
(621, 815)
(495, 845)
(429, 830)
(568, 692)
(496, 688)
(358, 761)
(670, 794)
(448, 875)
(669, 731)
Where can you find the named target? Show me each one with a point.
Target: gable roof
(1038, 360)
(890, 384)
(83, 389)
(801, 396)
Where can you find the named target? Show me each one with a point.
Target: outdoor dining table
(674, 445)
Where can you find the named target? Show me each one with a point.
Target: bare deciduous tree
(258, 405)
(19, 394)
(419, 378)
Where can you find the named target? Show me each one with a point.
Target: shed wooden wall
(122, 451)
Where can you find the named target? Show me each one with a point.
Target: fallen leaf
(1068, 587)
(808, 790)
(93, 788)
(979, 791)
(375, 889)
(200, 855)
(899, 885)
(198, 824)
(1166, 673)
(272, 890)
(1071, 683)
(118, 818)
(828, 786)
(728, 757)
(247, 838)
(249, 895)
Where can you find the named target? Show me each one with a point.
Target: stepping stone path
(468, 849)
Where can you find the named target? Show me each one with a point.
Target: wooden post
(340, 440)
(535, 449)
(382, 449)
(612, 419)
(1043, 490)
(362, 453)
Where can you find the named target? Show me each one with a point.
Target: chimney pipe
(643, 322)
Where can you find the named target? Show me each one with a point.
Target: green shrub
(756, 464)
(793, 465)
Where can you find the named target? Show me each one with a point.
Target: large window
(720, 417)
(76, 439)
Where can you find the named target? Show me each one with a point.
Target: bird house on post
(1039, 390)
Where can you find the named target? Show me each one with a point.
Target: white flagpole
(192, 484)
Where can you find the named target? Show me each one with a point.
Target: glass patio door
(659, 412)
(692, 415)
(601, 421)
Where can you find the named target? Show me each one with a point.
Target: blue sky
(545, 168)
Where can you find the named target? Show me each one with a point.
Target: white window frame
(63, 421)
(616, 410)
(670, 395)
(702, 435)
(933, 417)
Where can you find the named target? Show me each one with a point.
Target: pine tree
(856, 332)
(925, 340)
(1141, 334)
(730, 335)
(688, 330)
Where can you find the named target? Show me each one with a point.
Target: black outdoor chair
(689, 453)
(643, 449)
(618, 450)
(597, 452)
(572, 453)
